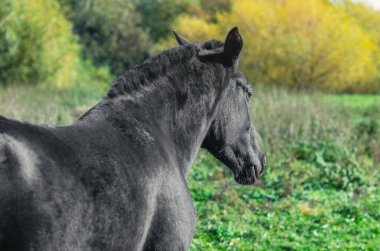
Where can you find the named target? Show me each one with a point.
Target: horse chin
(244, 173)
(245, 181)
(246, 177)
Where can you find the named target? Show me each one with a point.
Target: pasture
(321, 186)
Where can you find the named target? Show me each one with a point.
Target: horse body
(92, 187)
(115, 179)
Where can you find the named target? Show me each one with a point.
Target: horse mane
(153, 68)
(148, 71)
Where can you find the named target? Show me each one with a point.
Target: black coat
(115, 179)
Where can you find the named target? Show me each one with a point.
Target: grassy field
(320, 190)
(321, 187)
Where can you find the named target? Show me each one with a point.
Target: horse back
(83, 188)
(34, 210)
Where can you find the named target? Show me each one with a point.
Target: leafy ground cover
(321, 186)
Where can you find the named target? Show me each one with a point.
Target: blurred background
(315, 69)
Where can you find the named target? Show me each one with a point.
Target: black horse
(115, 179)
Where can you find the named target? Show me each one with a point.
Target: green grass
(259, 219)
(292, 217)
(353, 100)
(321, 186)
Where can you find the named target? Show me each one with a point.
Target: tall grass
(42, 104)
(283, 118)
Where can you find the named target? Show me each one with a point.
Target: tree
(300, 44)
(158, 15)
(369, 20)
(36, 44)
(109, 31)
(191, 27)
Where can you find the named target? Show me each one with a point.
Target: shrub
(200, 31)
(109, 31)
(158, 16)
(36, 44)
(337, 164)
(296, 43)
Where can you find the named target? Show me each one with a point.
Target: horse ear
(232, 46)
(180, 40)
(229, 54)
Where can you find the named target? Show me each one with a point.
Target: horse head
(231, 136)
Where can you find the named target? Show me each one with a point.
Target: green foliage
(212, 8)
(235, 217)
(319, 190)
(158, 16)
(36, 44)
(336, 164)
(200, 31)
(296, 43)
(109, 31)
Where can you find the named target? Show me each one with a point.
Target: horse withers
(115, 178)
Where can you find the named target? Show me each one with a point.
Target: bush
(336, 164)
(296, 43)
(200, 31)
(158, 16)
(36, 44)
(109, 32)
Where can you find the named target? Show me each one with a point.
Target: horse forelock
(211, 44)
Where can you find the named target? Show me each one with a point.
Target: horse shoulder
(173, 223)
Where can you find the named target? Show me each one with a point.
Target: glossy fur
(115, 179)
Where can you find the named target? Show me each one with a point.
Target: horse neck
(177, 111)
